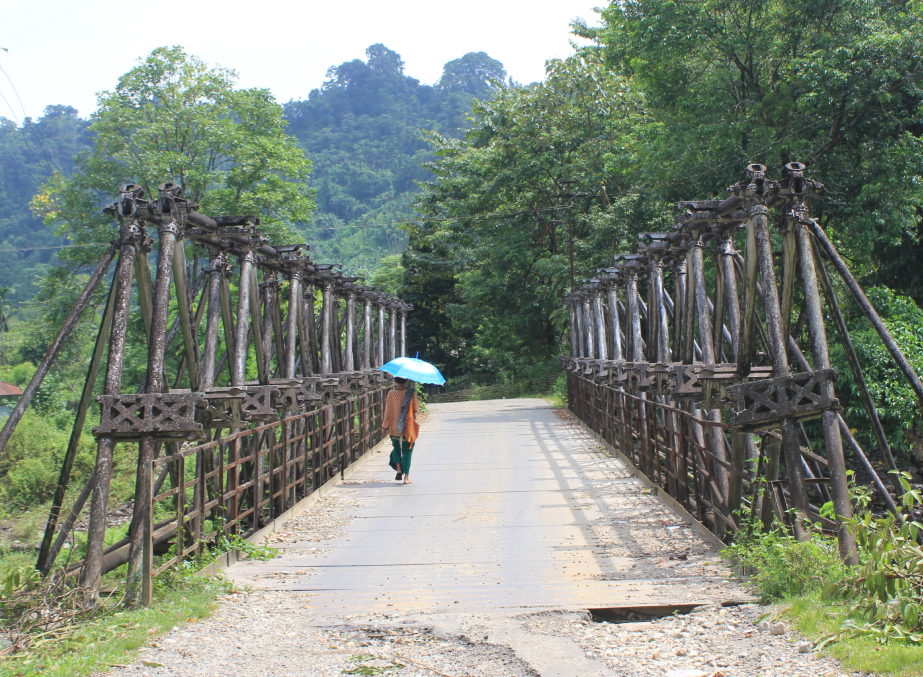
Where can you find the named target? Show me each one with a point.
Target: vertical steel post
(392, 335)
(659, 312)
(239, 372)
(403, 333)
(759, 218)
(635, 353)
(601, 325)
(326, 364)
(155, 384)
(581, 330)
(380, 353)
(292, 322)
(839, 487)
(349, 358)
(679, 309)
(715, 436)
(216, 268)
(367, 335)
(91, 576)
(731, 300)
(617, 352)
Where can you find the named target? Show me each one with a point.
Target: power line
(63, 246)
(29, 122)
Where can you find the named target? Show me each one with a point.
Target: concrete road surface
(511, 506)
(516, 524)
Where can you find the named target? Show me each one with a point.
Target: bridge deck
(511, 506)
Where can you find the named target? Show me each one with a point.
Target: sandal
(399, 476)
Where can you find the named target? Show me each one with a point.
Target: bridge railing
(665, 443)
(235, 485)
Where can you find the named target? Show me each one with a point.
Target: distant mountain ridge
(362, 130)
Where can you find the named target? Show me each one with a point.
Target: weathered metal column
(839, 489)
(759, 222)
(403, 333)
(658, 314)
(270, 308)
(380, 354)
(601, 325)
(310, 322)
(590, 339)
(91, 576)
(392, 342)
(679, 308)
(349, 359)
(292, 322)
(581, 329)
(239, 363)
(169, 230)
(617, 351)
(706, 336)
(326, 359)
(731, 300)
(635, 353)
(217, 267)
(367, 336)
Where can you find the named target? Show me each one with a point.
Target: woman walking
(400, 422)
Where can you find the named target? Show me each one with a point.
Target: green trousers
(401, 452)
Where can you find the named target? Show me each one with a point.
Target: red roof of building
(7, 389)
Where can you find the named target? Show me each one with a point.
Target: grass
(112, 638)
(815, 618)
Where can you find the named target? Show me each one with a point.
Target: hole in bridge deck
(632, 614)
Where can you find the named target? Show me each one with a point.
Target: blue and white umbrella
(414, 370)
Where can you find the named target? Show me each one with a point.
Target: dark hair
(399, 380)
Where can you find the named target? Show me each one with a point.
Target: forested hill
(28, 156)
(363, 130)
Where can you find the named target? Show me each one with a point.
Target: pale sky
(65, 51)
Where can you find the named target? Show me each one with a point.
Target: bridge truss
(312, 337)
(707, 391)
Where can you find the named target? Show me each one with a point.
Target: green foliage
(224, 544)
(30, 154)
(489, 262)
(32, 458)
(389, 276)
(363, 130)
(886, 590)
(783, 567)
(92, 642)
(173, 118)
(894, 400)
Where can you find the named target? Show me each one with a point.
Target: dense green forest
(364, 132)
(671, 101)
(30, 154)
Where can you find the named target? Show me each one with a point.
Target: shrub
(30, 482)
(886, 590)
(783, 566)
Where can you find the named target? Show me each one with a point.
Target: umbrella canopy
(414, 370)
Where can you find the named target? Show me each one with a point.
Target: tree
(30, 154)
(364, 130)
(489, 261)
(475, 73)
(380, 58)
(835, 84)
(173, 118)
